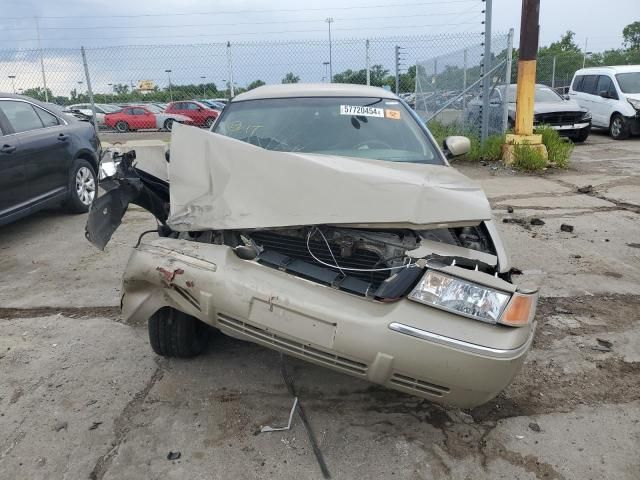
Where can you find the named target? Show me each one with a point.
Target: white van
(612, 95)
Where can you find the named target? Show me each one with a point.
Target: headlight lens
(634, 103)
(586, 115)
(460, 296)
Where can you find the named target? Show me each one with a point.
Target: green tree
(631, 35)
(121, 88)
(255, 84)
(38, 93)
(291, 78)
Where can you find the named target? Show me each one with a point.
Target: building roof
(289, 90)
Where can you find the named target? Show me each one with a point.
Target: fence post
(507, 77)
(464, 79)
(368, 61)
(89, 89)
(397, 68)
(553, 73)
(486, 67)
(230, 66)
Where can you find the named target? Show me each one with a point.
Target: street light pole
(203, 87)
(330, 21)
(168, 72)
(13, 83)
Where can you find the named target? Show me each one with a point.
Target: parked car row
(157, 116)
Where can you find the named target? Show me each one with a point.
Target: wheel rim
(616, 127)
(85, 185)
(169, 124)
(209, 122)
(121, 127)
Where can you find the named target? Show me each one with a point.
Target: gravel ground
(83, 396)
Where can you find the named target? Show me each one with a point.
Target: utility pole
(553, 73)
(44, 77)
(326, 73)
(529, 30)
(584, 55)
(330, 21)
(486, 68)
(398, 67)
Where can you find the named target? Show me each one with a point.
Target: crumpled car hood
(218, 183)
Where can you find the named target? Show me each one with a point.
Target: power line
(112, 27)
(231, 12)
(191, 35)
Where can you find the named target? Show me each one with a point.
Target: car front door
(589, 95)
(142, 118)
(45, 149)
(13, 187)
(196, 113)
(605, 101)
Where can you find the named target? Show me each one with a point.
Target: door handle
(8, 149)
(62, 137)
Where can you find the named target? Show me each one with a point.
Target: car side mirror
(566, 96)
(456, 145)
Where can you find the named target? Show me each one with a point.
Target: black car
(550, 109)
(46, 157)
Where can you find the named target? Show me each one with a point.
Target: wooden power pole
(528, 53)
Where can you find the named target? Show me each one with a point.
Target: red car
(140, 118)
(201, 114)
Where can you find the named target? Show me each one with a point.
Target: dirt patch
(69, 312)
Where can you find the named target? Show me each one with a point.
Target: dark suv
(46, 157)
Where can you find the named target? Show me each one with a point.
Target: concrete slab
(625, 193)
(561, 201)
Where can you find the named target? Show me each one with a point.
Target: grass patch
(489, 150)
(527, 158)
(558, 149)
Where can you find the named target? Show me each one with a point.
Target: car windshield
(629, 82)
(153, 108)
(375, 128)
(543, 94)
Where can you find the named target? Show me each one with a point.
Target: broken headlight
(460, 296)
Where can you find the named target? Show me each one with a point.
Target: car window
(21, 115)
(194, 106)
(605, 84)
(365, 127)
(629, 82)
(577, 83)
(127, 111)
(589, 84)
(139, 111)
(178, 106)
(48, 120)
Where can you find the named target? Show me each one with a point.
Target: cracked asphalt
(82, 396)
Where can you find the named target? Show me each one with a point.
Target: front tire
(122, 127)
(168, 124)
(209, 122)
(619, 128)
(173, 333)
(81, 186)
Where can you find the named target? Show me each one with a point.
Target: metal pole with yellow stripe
(529, 30)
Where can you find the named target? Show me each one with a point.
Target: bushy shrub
(528, 158)
(558, 148)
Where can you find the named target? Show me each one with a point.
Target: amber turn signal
(520, 310)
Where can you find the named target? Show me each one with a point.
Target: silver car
(324, 222)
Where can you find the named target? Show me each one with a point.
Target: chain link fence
(452, 90)
(441, 76)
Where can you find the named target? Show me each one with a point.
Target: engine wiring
(348, 269)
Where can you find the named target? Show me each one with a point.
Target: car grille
(558, 118)
(295, 248)
(327, 358)
(418, 385)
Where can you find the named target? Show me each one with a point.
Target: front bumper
(402, 345)
(570, 129)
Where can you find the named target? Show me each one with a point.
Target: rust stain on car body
(168, 275)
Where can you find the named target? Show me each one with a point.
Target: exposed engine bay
(362, 262)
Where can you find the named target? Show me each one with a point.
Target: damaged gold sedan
(324, 222)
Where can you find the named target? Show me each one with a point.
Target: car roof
(54, 108)
(609, 69)
(290, 90)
